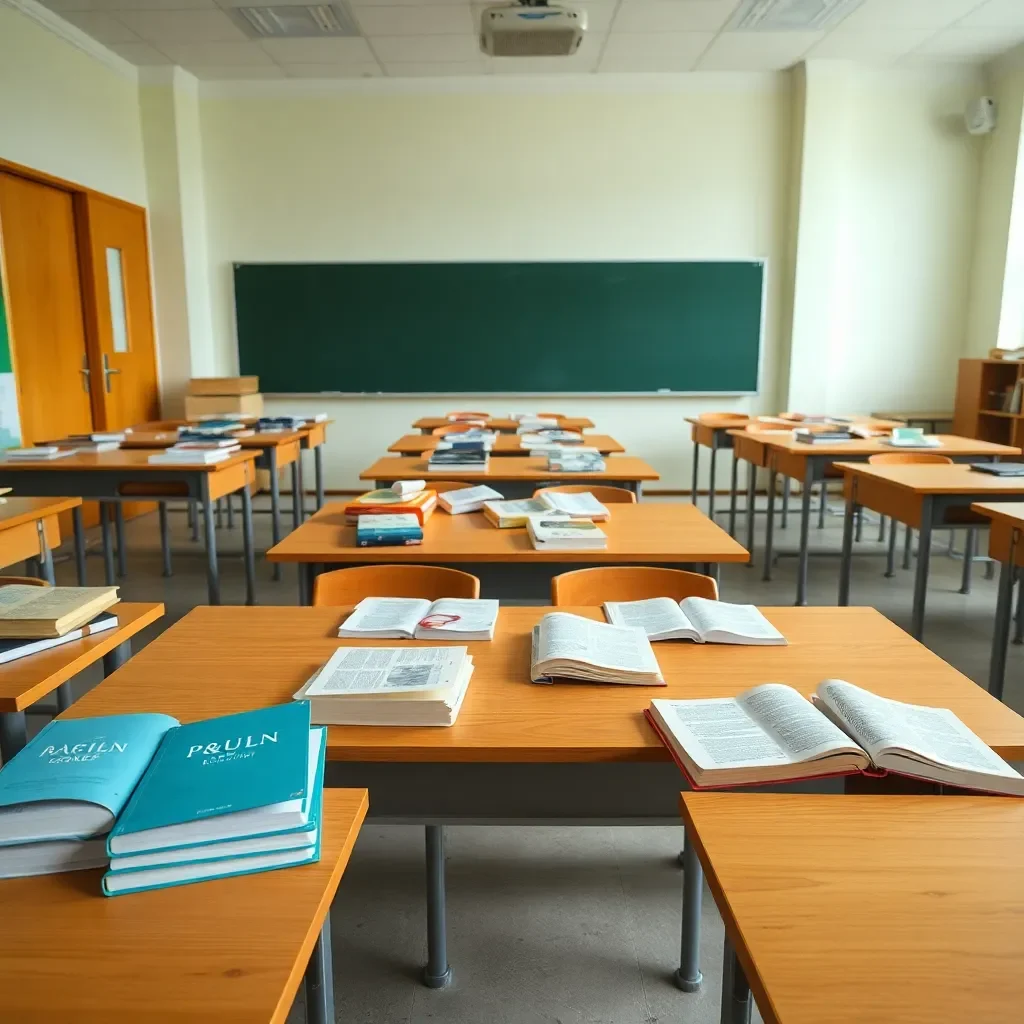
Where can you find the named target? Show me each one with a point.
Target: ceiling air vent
(312, 21)
(790, 15)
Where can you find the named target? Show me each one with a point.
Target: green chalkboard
(501, 327)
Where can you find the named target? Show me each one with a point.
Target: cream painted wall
(698, 172)
(63, 112)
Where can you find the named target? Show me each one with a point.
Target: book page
(458, 616)
(738, 619)
(573, 638)
(387, 613)
(719, 733)
(584, 504)
(881, 725)
(655, 616)
(46, 602)
(382, 670)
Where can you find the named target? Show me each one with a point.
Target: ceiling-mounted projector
(531, 29)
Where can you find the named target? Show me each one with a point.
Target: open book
(772, 733)
(36, 612)
(414, 618)
(571, 647)
(695, 618)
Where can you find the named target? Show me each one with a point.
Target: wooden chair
(350, 586)
(24, 581)
(908, 458)
(591, 587)
(603, 492)
(454, 428)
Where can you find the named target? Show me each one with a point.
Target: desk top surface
(228, 951)
(644, 532)
(902, 909)
(502, 423)
(123, 459)
(504, 444)
(1010, 512)
(951, 445)
(932, 478)
(511, 467)
(27, 680)
(14, 510)
(222, 660)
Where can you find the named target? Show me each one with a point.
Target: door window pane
(118, 313)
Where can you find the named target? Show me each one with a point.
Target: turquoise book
(161, 869)
(224, 778)
(76, 775)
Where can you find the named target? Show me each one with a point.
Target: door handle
(85, 372)
(108, 370)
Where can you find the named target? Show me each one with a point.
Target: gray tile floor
(549, 925)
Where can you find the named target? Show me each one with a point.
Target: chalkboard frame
(761, 262)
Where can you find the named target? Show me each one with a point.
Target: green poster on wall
(10, 427)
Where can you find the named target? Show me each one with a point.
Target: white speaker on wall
(980, 116)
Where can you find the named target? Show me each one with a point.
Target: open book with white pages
(571, 647)
(772, 733)
(695, 618)
(389, 686)
(414, 618)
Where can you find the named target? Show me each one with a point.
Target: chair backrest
(603, 492)
(903, 458)
(350, 586)
(454, 428)
(24, 581)
(738, 417)
(628, 583)
(469, 414)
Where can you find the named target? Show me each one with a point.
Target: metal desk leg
(965, 579)
(822, 504)
(1001, 630)
(736, 1000)
(924, 545)
(711, 482)
(193, 510)
(860, 524)
(638, 489)
(319, 978)
(296, 512)
(45, 555)
(64, 697)
(438, 972)
(306, 576)
(890, 554)
(696, 463)
(114, 659)
(751, 510)
(846, 563)
(1018, 624)
(733, 485)
(318, 471)
(785, 503)
(13, 735)
(805, 525)
(165, 538)
(770, 527)
(79, 530)
(122, 555)
(301, 493)
(688, 976)
(881, 529)
(210, 529)
(247, 547)
(275, 505)
(908, 547)
(108, 551)
(219, 506)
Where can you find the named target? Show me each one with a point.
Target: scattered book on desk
(181, 455)
(213, 425)
(581, 505)
(387, 530)
(556, 532)
(465, 417)
(1008, 469)
(407, 686)
(14, 650)
(32, 613)
(911, 437)
(772, 733)
(46, 451)
(567, 646)
(467, 499)
(575, 462)
(407, 488)
(513, 513)
(822, 436)
(461, 459)
(188, 436)
(546, 438)
(531, 424)
(413, 618)
(548, 451)
(696, 618)
(79, 443)
(384, 501)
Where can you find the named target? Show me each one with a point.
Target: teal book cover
(223, 765)
(91, 760)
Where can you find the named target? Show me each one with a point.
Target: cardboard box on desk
(223, 386)
(230, 405)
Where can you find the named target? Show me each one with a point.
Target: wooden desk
(924, 497)
(929, 420)
(27, 680)
(857, 909)
(314, 437)
(714, 431)
(504, 444)
(227, 951)
(426, 424)
(1007, 522)
(809, 463)
(218, 661)
(126, 475)
(622, 470)
(30, 530)
(751, 446)
(674, 534)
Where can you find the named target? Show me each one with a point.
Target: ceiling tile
(673, 15)
(141, 54)
(218, 54)
(235, 73)
(104, 28)
(183, 26)
(425, 49)
(757, 51)
(362, 70)
(447, 19)
(935, 14)
(406, 3)
(971, 43)
(319, 51)
(456, 69)
(131, 5)
(870, 47)
(580, 63)
(665, 51)
(996, 14)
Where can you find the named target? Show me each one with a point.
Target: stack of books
(381, 531)
(206, 452)
(823, 436)
(148, 784)
(467, 499)
(392, 501)
(415, 686)
(269, 424)
(557, 532)
(216, 425)
(413, 618)
(530, 424)
(460, 455)
(90, 442)
(573, 461)
(43, 451)
(552, 439)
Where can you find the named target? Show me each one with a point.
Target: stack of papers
(467, 499)
(44, 451)
(407, 686)
(695, 618)
(413, 618)
(553, 532)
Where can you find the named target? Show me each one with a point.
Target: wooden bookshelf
(981, 385)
